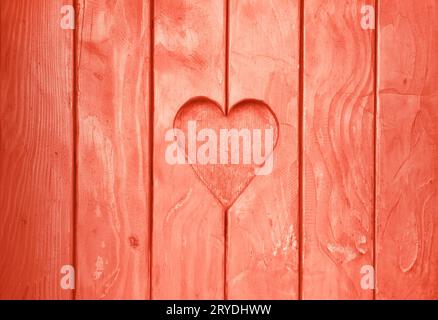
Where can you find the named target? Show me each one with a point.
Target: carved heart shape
(227, 151)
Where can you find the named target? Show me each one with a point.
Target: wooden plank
(263, 229)
(113, 162)
(338, 148)
(36, 148)
(407, 157)
(188, 222)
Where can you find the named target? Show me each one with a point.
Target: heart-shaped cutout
(227, 151)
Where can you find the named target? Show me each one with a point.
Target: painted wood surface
(112, 231)
(407, 157)
(36, 148)
(188, 221)
(338, 132)
(84, 178)
(263, 233)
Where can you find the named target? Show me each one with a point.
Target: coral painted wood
(298, 159)
(188, 221)
(338, 134)
(113, 150)
(36, 150)
(407, 151)
(263, 231)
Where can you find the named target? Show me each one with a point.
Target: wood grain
(113, 161)
(338, 139)
(36, 149)
(188, 227)
(97, 156)
(407, 150)
(262, 261)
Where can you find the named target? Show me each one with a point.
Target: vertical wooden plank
(36, 149)
(188, 241)
(407, 157)
(113, 164)
(338, 147)
(263, 231)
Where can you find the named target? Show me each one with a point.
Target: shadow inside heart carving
(227, 151)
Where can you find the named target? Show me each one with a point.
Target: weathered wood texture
(104, 144)
(113, 149)
(407, 150)
(338, 149)
(188, 222)
(262, 261)
(36, 149)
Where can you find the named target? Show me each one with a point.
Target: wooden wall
(84, 181)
